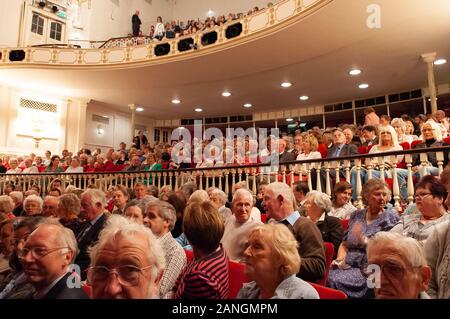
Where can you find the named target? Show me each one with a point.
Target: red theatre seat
(328, 293)
(329, 252)
(263, 218)
(322, 149)
(189, 255)
(363, 150)
(88, 290)
(447, 140)
(237, 278)
(344, 223)
(414, 143)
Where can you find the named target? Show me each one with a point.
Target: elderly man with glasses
(126, 263)
(45, 259)
(397, 267)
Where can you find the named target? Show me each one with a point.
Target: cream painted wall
(10, 22)
(118, 129)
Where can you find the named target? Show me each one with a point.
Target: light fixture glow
(355, 72)
(286, 84)
(247, 105)
(139, 109)
(198, 109)
(181, 128)
(289, 119)
(226, 94)
(176, 101)
(304, 97)
(363, 86)
(440, 61)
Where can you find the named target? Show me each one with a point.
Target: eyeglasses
(389, 269)
(421, 195)
(37, 252)
(127, 275)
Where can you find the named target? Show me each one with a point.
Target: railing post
(395, 186)
(327, 179)
(410, 184)
(440, 161)
(424, 163)
(336, 168)
(308, 167)
(358, 183)
(347, 171)
(319, 184)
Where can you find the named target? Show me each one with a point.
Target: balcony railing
(316, 173)
(123, 51)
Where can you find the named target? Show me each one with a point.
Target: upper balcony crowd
(174, 29)
(286, 242)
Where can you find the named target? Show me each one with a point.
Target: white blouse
(303, 157)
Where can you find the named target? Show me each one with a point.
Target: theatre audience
(342, 207)
(32, 205)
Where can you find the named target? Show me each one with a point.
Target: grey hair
(96, 195)
(17, 195)
(398, 121)
(198, 196)
(166, 211)
(219, 193)
(373, 185)
(283, 190)
(5, 200)
(242, 192)
(34, 198)
(119, 225)
(65, 236)
(320, 199)
(408, 247)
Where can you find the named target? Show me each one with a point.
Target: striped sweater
(206, 278)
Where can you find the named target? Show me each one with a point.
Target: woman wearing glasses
(365, 223)
(430, 197)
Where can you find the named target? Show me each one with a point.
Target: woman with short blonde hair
(272, 261)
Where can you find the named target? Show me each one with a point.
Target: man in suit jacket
(93, 202)
(284, 155)
(279, 203)
(136, 23)
(370, 135)
(339, 149)
(45, 258)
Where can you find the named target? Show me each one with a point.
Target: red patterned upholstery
(237, 278)
(329, 252)
(328, 293)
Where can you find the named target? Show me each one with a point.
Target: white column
(133, 119)
(429, 58)
(82, 122)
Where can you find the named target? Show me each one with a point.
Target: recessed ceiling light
(289, 120)
(363, 86)
(198, 109)
(247, 105)
(181, 128)
(304, 97)
(429, 99)
(139, 109)
(355, 72)
(176, 101)
(286, 84)
(105, 116)
(440, 61)
(226, 94)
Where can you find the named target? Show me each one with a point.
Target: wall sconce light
(37, 132)
(100, 130)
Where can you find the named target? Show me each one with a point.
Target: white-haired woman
(218, 198)
(272, 261)
(363, 224)
(431, 137)
(400, 126)
(32, 205)
(6, 206)
(317, 205)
